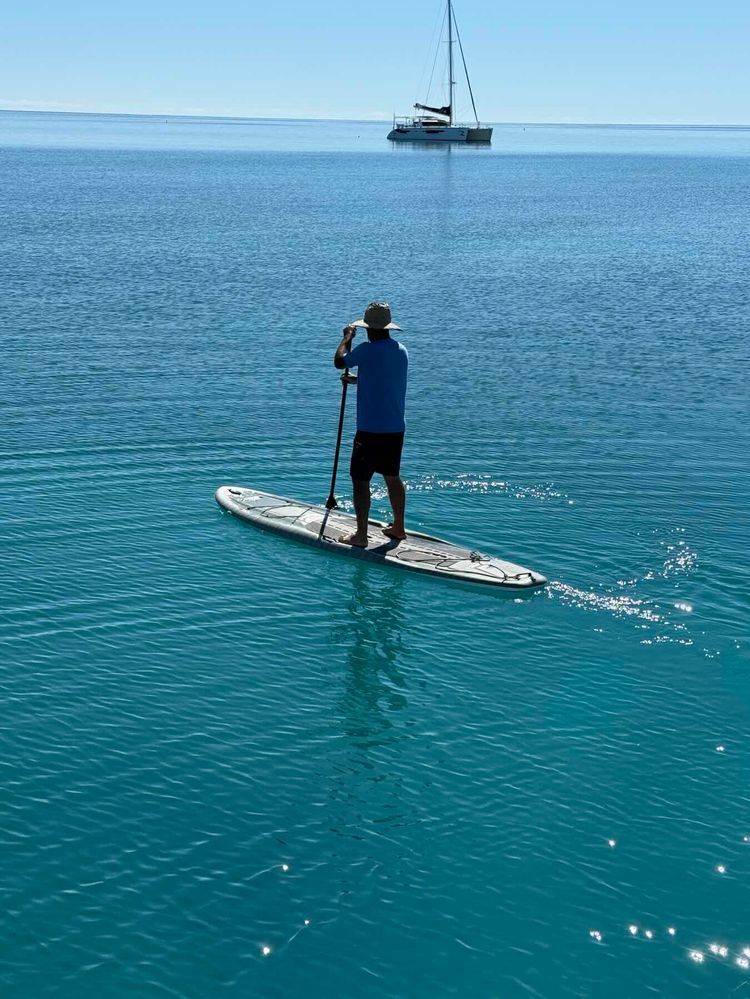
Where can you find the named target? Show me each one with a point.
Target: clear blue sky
(530, 60)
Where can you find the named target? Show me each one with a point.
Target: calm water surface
(233, 766)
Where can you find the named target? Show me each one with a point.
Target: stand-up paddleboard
(418, 552)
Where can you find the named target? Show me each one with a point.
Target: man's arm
(343, 348)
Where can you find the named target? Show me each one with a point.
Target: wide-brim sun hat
(377, 317)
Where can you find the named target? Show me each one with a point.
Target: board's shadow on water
(374, 682)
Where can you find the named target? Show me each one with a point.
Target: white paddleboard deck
(418, 553)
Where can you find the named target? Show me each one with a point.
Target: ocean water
(234, 766)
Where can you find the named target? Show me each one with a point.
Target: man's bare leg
(397, 496)
(361, 490)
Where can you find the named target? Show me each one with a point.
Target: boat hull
(479, 135)
(439, 133)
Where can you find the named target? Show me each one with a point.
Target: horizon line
(369, 121)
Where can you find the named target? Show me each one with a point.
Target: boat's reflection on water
(442, 148)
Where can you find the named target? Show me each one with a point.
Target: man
(381, 365)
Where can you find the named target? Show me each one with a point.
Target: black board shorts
(375, 453)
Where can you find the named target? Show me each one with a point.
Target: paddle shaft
(331, 503)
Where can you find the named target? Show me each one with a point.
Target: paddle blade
(331, 503)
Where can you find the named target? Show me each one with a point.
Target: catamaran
(440, 124)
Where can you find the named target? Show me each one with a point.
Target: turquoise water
(216, 741)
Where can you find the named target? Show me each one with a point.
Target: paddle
(331, 503)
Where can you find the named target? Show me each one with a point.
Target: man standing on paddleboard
(382, 365)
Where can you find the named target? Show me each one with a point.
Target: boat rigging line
(466, 71)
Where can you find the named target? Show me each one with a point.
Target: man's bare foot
(355, 540)
(390, 532)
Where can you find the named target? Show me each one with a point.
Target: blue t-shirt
(381, 385)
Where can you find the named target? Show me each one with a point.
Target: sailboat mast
(450, 61)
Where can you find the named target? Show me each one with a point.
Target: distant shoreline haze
(367, 121)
